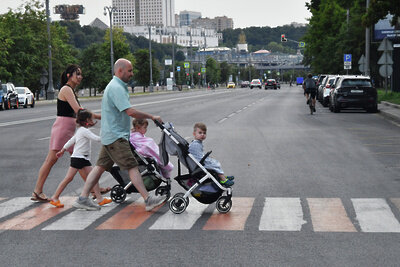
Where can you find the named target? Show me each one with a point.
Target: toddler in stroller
(201, 183)
(151, 168)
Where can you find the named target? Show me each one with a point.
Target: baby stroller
(150, 172)
(201, 183)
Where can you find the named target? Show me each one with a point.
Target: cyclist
(310, 89)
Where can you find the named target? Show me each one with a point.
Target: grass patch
(392, 97)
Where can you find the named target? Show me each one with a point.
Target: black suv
(10, 96)
(354, 92)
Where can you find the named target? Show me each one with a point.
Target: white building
(184, 36)
(144, 12)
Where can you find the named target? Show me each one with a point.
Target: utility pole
(173, 60)
(110, 10)
(50, 88)
(151, 63)
(367, 47)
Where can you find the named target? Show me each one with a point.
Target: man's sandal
(39, 197)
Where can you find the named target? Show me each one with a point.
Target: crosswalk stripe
(14, 205)
(329, 215)
(183, 221)
(80, 219)
(2, 198)
(131, 217)
(235, 219)
(281, 214)
(36, 216)
(375, 215)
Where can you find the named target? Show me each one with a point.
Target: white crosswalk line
(13, 205)
(79, 219)
(183, 221)
(282, 214)
(375, 215)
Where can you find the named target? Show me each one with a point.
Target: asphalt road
(311, 190)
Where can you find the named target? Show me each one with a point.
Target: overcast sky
(245, 13)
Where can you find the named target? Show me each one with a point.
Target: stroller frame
(180, 201)
(118, 192)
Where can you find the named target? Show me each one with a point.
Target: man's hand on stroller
(157, 118)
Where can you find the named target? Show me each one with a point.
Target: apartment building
(186, 17)
(144, 12)
(218, 23)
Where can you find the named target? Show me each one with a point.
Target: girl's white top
(82, 142)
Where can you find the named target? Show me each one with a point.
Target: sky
(245, 13)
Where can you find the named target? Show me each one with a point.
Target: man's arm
(141, 115)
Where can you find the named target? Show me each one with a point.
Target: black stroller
(201, 183)
(152, 179)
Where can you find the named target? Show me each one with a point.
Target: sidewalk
(390, 111)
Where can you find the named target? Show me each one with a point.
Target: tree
(213, 70)
(226, 71)
(142, 68)
(379, 9)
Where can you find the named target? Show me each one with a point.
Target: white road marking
(375, 215)
(14, 205)
(183, 221)
(282, 214)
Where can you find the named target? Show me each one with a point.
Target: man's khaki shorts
(118, 152)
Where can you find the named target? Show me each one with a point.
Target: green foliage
(378, 9)
(142, 68)
(392, 97)
(24, 46)
(213, 71)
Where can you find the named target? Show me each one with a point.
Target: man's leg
(92, 179)
(137, 181)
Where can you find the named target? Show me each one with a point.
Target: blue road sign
(347, 58)
(178, 68)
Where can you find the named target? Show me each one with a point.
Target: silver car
(25, 97)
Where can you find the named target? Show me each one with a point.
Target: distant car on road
(271, 84)
(10, 96)
(255, 83)
(244, 84)
(231, 85)
(25, 97)
(353, 91)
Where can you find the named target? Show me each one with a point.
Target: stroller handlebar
(159, 124)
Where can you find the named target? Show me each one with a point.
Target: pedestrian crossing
(276, 214)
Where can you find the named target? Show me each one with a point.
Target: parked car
(244, 84)
(255, 83)
(10, 96)
(353, 91)
(25, 97)
(231, 85)
(320, 85)
(327, 86)
(270, 83)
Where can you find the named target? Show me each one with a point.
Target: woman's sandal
(102, 191)
(39, 197)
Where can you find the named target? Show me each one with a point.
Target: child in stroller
(201, 183)
(146, 153)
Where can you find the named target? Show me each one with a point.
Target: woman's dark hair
(82, 116)
(70, 70)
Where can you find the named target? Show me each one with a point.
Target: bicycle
(311, 105)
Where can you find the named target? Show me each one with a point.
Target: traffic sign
(385, 45)
(385, 59)
(347, 67)
(302, 44)
(385, 70)
(178, 68)
(186, 65)
(203, 70)
(347, 58)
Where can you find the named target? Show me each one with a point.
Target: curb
(390, 111)
(390, 104)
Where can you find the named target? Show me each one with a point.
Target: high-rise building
(186, 17)
(144, 12)
(217, 23)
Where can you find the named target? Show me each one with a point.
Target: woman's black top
(64, 109)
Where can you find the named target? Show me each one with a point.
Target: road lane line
(235, 219)
(183, 221)
(130, 217)
(375, 215)
(36, 216)
(396, 202)
(282, 214)
(329, 215)
(80, 219)
(14, 205)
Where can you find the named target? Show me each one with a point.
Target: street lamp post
(151, 63)
(110, 10)
(50, 88)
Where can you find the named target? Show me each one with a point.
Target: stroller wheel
(163, 190)
(224, 204)
(118, 194)
(181, 195)
(178, 204)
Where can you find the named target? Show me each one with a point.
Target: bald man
(116, 112)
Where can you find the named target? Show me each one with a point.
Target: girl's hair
(82, 116)
(200, 126)
(70, 70)
(139, 122)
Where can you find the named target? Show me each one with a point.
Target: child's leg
(84, 172)
(221, 176)
(68, 178)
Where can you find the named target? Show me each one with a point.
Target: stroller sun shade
(178, 147)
